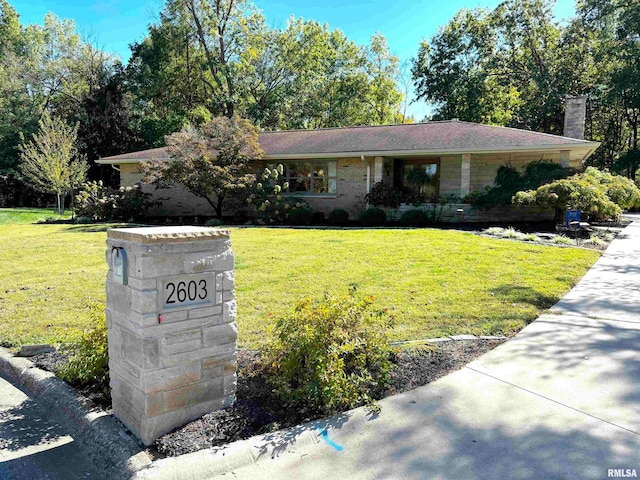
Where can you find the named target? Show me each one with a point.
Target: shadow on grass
(518, 294)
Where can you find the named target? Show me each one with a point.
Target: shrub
(580, 192)
(83, 220)
(266, 197)
(598, 193)
(562, 240)
(620, 190)
(495, 231)
(317, 218)
(99, 203)
(509, 181)
(213, 222)
(332, 353)
(300, 216)
(530, 237)
(339, 217)
(373, 217)
(416, 218)
(382, 195)
(89, 356)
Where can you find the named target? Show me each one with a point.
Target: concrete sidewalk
(560, 400)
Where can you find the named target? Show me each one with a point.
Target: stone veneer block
(172, 326)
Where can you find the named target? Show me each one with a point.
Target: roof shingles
(431, 136)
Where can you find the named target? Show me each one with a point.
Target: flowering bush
(267, 197)
(97, 202)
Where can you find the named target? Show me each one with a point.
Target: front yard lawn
(435, 282)
(29, 215)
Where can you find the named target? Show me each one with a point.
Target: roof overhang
(587, 147)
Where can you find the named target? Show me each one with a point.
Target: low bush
(338, 217)
(89, 356)
(331, 354)
(597, 193)
(266, 197)
(99, 203)
(213, 222)
(300, 216)
(373, 217)
(562, 240)
(382, 195)
(416, 218)
(510, 180)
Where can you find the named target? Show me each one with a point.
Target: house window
(420, 177)
(316, 177)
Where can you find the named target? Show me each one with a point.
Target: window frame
(314, 162)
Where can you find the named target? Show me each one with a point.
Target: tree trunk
(219, 208)
(60, 203)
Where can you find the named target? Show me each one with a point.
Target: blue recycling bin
(572, 216)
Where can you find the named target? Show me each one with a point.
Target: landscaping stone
(463, 337)
(33, 350)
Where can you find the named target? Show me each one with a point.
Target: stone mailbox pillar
(171, 325)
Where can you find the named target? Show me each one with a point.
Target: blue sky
(114, 24)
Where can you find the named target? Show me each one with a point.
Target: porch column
(465, 175)
(565, 157)
(378, 169)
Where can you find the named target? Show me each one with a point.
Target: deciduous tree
(212, 161)
(50, 161)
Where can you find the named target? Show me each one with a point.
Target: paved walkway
(560, 400)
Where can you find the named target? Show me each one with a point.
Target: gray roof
(419, 138)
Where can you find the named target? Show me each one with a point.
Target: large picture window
(315, 177)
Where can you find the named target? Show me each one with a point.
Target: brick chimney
(574, 117)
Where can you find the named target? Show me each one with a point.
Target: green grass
(29, 215)
(434, 282)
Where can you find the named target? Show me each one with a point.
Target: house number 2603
(181, 291)
(186, 291)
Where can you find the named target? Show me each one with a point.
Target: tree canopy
(515, 66)
(50, 161)
(211, 161)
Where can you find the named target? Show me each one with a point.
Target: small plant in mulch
(332, 353)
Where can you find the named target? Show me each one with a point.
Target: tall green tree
(211, 58)
(512, 66)
(616, 27)
(50, 161)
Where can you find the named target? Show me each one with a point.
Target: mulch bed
(257, 410)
